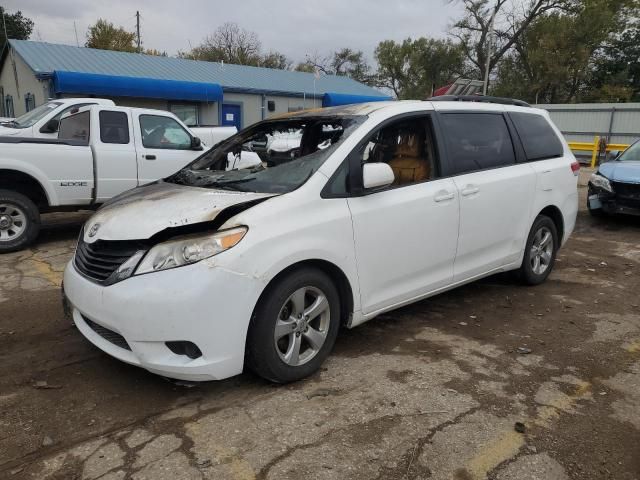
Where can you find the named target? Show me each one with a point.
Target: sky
(293, 27)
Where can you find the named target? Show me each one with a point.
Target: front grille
(100, 259)
(109, 335)
(627, 194)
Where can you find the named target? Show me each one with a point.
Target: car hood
(8, 132)
(621, 171)
(144, 211)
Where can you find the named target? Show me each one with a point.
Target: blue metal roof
(46, 58)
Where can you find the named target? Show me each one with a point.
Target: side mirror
(376, 175)
(613, 154)
(51, 126)
(196, 143)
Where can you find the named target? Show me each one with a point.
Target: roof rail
(478, 98)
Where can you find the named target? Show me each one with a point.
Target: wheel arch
(26, 184)
(555, 214)
(334, 272)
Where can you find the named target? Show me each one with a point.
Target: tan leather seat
(409, 164)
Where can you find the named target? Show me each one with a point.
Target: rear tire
(19, 221)
(294, 326)
(540, 251)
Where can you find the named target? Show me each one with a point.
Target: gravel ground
(436, 390)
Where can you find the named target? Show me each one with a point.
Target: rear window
(114, 127)
(75, 127)
(476, 141)
(538, 138)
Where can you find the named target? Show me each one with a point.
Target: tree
(412, 68)
(344, 62)
(19, 27)
(275, 60)
(616, 74)
(554, 60)
(155, 53)
(232, 44)
(104, 35)
(510, 21)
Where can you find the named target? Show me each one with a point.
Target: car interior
(407, 147)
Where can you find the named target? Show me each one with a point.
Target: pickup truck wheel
(294, 326)
(19, 221)
(540, 251)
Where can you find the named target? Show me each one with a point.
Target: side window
(186, 112)
(114, 127)
(68, 109)
(29, 101)
(75, 127)
(407, 146)
(538, 138)
(163, 132)
(8, 106)
(476, 141)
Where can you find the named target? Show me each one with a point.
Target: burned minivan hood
(144, 211)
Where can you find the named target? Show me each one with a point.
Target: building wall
(252, 105)
(27, 83)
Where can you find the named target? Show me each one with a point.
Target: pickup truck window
(247, 162)
(31, 117)
(114, 127)
(75, 127)
(163, 132)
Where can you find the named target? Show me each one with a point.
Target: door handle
(149, 157)
(469, 190)
(443, 197)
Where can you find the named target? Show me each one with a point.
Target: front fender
(34, 172)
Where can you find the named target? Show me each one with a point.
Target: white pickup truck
(100, 151)
(42, 121)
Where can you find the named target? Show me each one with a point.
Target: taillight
(575, 168)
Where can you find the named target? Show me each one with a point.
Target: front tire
(19, 221)
(294, 326)
(540, 251)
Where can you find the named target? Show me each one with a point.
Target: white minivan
(216, 268)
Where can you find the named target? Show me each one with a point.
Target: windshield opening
(274, 156)
(29, 118)
(631, 154)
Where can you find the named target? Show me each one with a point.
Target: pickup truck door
(163, 146)
(114, 152)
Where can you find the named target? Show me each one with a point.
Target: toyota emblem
(94, 229)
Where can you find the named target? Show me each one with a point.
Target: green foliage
(412, 69)
(344, 62)
(556, 59)
(19, 27)
(106, 36)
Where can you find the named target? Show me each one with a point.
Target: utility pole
(138, 30)
(489, 47)
(76, 30)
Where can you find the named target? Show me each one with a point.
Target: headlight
(189, 249)
(601, 182)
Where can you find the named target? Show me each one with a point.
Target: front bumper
(202, 303)
(625, 198)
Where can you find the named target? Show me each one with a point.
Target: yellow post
(594, 152)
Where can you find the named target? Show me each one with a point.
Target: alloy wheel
(302, 326)
(541, 251)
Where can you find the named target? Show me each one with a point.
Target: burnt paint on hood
(144, 211)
